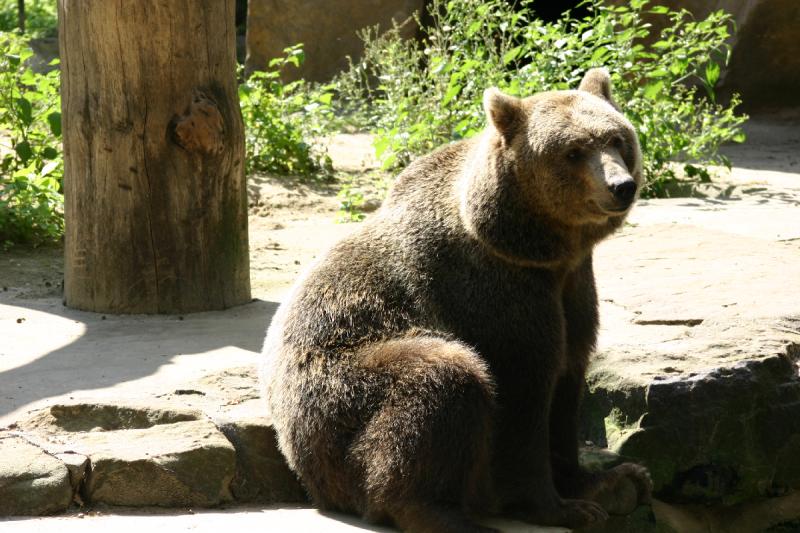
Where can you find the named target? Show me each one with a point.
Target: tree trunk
(154, 185)
(21, 15)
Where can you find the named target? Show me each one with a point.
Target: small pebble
(20, 320)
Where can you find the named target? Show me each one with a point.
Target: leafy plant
(31, 166)
(285, 121)
(41, 18)
(416, 96)
(351, 202)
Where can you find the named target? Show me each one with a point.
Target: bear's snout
(624, 192)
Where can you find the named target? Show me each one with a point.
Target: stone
(696, 371)
(262, 475)
(77, 465)
(725, 435)
(172, 465)
(140, 455)
(765, 63)
(774, 515)
(80, 417)
(32, 482)
(641, 520)
(327, 29)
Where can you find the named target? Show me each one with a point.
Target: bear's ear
(503, 111)
(598, 82)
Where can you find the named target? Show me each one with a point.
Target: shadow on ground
(772, 144)
(59, 351)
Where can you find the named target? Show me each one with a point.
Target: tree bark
(21, 15)
(154, 184)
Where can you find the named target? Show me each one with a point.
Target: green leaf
(389, 162)
(54, 121)
(451, 93)
(712, 73)
(50, 153)
(659, 10)
(24, 151)
(653, 90)
(598, 55)
(24, 172)
(512, 54)
(25, 111)
(48, 168)
(381, 143)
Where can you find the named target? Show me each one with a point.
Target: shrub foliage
(284, 121)
(418, 95)
(31, 165)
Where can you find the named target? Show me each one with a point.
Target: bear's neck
(494, 212)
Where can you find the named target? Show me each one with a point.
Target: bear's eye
(617, 142)
(575, 154)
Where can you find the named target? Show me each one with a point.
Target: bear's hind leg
(425, 452)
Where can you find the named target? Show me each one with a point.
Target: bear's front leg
(620, 489)
(521, 464)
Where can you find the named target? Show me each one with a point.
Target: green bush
(41, 18)
(31, 166)
(285, 121)
(416, 96)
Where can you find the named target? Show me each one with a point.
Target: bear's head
(552, 173)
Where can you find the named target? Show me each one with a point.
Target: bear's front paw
(579, 513)
(566, 513)
(621, 489)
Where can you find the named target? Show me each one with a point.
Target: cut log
(154, 184)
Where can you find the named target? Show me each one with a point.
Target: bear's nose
(624, 191)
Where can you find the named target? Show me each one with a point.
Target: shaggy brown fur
(430, 366)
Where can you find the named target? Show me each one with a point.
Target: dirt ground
(292, 221)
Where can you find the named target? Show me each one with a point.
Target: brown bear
(429, 367)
